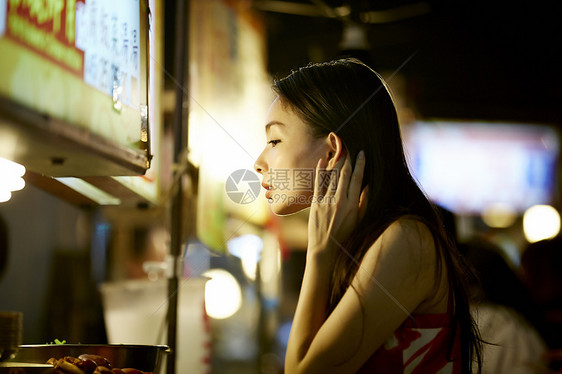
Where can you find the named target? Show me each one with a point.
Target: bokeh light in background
(11, 180)
(541, 222)
(248, 249)
(499, 215)
(223, 296)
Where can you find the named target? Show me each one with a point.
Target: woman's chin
(280, 209)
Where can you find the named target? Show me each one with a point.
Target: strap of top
(455, 347)
(451, 302)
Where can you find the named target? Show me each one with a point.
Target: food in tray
(88, 364)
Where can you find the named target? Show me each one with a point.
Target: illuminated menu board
(47, 28)
(82, 63)
(108, 33)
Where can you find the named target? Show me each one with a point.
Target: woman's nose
(259, 166)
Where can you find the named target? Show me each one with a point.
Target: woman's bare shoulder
(405, 249)
(406, 234)
(402, 263)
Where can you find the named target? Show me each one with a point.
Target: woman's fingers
(318, 179)
(343, 180)
(357, 178)
(335, 175)
(363, 199)
(338, 200)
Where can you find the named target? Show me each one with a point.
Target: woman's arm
(311, 311)
(395, 276)
(330, 222)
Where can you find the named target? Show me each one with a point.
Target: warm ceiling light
(11, 168)
(11, 174)
(5, 196)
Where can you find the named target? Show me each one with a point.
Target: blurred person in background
(383, 288)
(541, 263)
(507, 317)
(510, 325)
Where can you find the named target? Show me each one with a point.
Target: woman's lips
(268, 190)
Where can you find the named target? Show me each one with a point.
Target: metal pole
(180, 143)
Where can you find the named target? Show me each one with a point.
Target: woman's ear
(336, 150)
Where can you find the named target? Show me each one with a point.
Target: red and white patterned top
(424, 344)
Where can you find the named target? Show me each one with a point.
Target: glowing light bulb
(8, 183)
(11, 174)
(5, 196)
(541, 222)
(223, 296)
(10, 168)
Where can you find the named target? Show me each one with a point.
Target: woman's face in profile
(288, 160)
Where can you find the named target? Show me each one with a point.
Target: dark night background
(479, 59)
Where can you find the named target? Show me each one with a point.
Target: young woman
(383, 289)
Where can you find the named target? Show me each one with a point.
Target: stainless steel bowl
(19, 368)
(142, 357)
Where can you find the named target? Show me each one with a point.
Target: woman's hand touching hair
(337, 206)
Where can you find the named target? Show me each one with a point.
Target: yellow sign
(48, 28)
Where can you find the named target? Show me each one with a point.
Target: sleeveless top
(424, 344)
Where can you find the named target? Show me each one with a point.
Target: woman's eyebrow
(271, 123)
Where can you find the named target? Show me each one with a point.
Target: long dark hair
(350, 99)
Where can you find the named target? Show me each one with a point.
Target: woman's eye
(273, 142)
